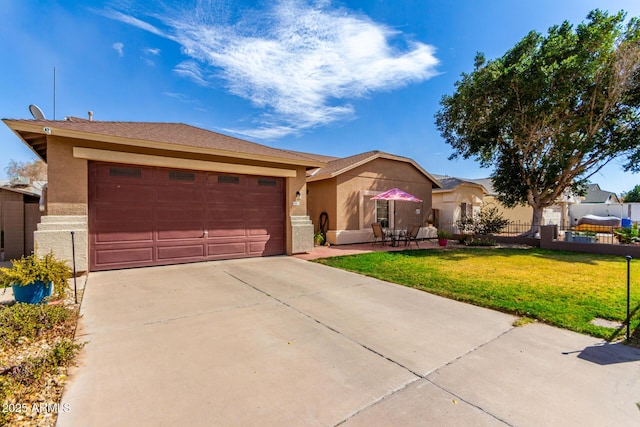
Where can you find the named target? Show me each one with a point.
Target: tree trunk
(536, 222)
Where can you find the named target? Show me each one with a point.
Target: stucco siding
(356, 187)
(322, 198)
(67, 187)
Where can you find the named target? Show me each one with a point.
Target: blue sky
(335, 78)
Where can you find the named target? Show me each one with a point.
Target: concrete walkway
(281, 341)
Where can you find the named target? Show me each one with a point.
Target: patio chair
(412, 235)
(379, 233)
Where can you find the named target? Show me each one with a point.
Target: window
(182, 176)
(466, 210)
(267, 182)
(124, 171)
(382, 212)
(226, 179)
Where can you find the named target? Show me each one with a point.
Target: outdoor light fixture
(298, 195)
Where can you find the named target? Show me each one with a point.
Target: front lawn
(565, 289)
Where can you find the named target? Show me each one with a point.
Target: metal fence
(601, 235)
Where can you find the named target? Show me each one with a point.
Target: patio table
(397, 235)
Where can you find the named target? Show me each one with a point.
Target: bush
(489, 221)
(627, 236)
(31, 321)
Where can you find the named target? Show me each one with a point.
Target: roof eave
(436, 183)
(21, 127)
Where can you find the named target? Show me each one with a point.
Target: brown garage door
(142, 216)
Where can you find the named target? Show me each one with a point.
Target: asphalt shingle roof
(170, 133)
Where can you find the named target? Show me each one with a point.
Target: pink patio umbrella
(396, 194)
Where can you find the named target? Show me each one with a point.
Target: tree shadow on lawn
(456, 254)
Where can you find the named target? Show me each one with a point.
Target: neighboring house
(142, 194)
(344, 187)
(456, 199)
(19, 216)
(603, 203)
(596, 195)
(557, 214)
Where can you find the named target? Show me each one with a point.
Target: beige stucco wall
(376, 176)
(67, 181)
(449, 203)
(322, 198)
(518, 214)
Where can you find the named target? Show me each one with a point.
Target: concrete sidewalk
(280, 341)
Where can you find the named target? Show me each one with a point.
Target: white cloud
(300, 63)
(152, 51)
(119, 47)
(127, 19)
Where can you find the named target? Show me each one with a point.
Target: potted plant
(443, 237)
(318, 239)
(33, 278)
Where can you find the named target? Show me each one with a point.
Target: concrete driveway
(282, 341)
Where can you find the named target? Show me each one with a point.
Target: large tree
(552, 111)
(36, 170)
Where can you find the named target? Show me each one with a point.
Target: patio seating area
(340, 250)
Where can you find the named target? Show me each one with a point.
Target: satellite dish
(36, 112)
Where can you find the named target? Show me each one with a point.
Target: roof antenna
(54, 92)
(36, 112)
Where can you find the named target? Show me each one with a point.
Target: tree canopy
(552, 111)
(36, 170)
(633, 196)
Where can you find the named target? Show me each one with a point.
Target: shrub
(627, 236)
(31, 321)
(488, 221)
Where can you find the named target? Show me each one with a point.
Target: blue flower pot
(32, 293)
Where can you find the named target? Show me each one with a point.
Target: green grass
(564, 289)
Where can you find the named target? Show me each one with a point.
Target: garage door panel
(264, 212)
(123, 213)
(274, 231)
(266, 199)
(223, 213)
(122, 256)
(179, 195)
(177, 214)
(226, 197)
(141, 216)
(181, 252)
(124, 192)
(225, 232)
(189, 230)
(123, 236)
(265, 247)
(227, 249)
